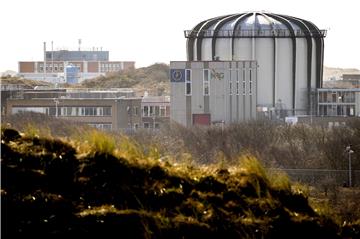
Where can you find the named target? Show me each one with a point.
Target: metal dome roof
(255, 24)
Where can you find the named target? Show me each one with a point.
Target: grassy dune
(94, 187)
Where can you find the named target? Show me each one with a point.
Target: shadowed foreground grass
(55, 188)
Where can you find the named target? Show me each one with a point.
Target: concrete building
(213, 92)
(346, 81)
(288, 52)
(338, 102)
(55, 70)
(155, 111)
(89, 64)
(353, 79)
(10, 92)
(115, 109)
(109, 109)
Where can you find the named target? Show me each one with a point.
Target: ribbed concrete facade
(288, 50)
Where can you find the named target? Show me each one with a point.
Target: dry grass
(101, 182)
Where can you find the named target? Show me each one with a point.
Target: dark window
(107, 111)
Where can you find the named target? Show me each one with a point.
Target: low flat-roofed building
(55, 71)
(155, 111)
(338, 102)
(110, 110)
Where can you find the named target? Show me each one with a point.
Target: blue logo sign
(177, 75)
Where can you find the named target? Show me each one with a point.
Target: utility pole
(56, 101)
(44, 61)
(52, 57)
(349, 151)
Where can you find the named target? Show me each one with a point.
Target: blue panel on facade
(71, 72)
(177, 75)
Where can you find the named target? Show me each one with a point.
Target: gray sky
(152, 31)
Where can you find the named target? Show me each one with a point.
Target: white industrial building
(288, 53)
(213, 92)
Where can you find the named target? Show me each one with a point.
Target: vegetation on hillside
(101, 185)
(27, 84)
(154, 79)
(337, 72)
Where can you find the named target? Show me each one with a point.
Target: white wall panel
(284, 78)
(264, 49)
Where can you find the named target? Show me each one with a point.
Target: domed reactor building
(247, 66)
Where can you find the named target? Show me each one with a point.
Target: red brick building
(89, 64)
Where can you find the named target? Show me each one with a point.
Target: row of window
(110, 67)
(147, 111)
(337, 110)
(67, 111)
(50, 68)
(57, 68)
(85, 111)
(103, 65)
(160, 111)
(102, 126)
(155, 111)
(211, 74)
(154, 125)
(336, 97)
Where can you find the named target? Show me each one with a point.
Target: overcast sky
(149, 31)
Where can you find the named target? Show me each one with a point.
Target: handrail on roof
(254, 33)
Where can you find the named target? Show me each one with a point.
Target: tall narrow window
(250, 82)
(230, 83)
(187, 82)
(237, 82)
(162, 111)
(146, 111)
(243, 82)
(206, 82)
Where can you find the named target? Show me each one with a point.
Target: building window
(230, 83)
(162, 111)
(250, 82)
(334, 98)
(187, 82)
(146, 111)
(206, 82)
(136, 110)
(146, 125)
(151, 111)
(43, 110)
(243, 83)
(102, 126)
(107, 111)
(237, 82)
